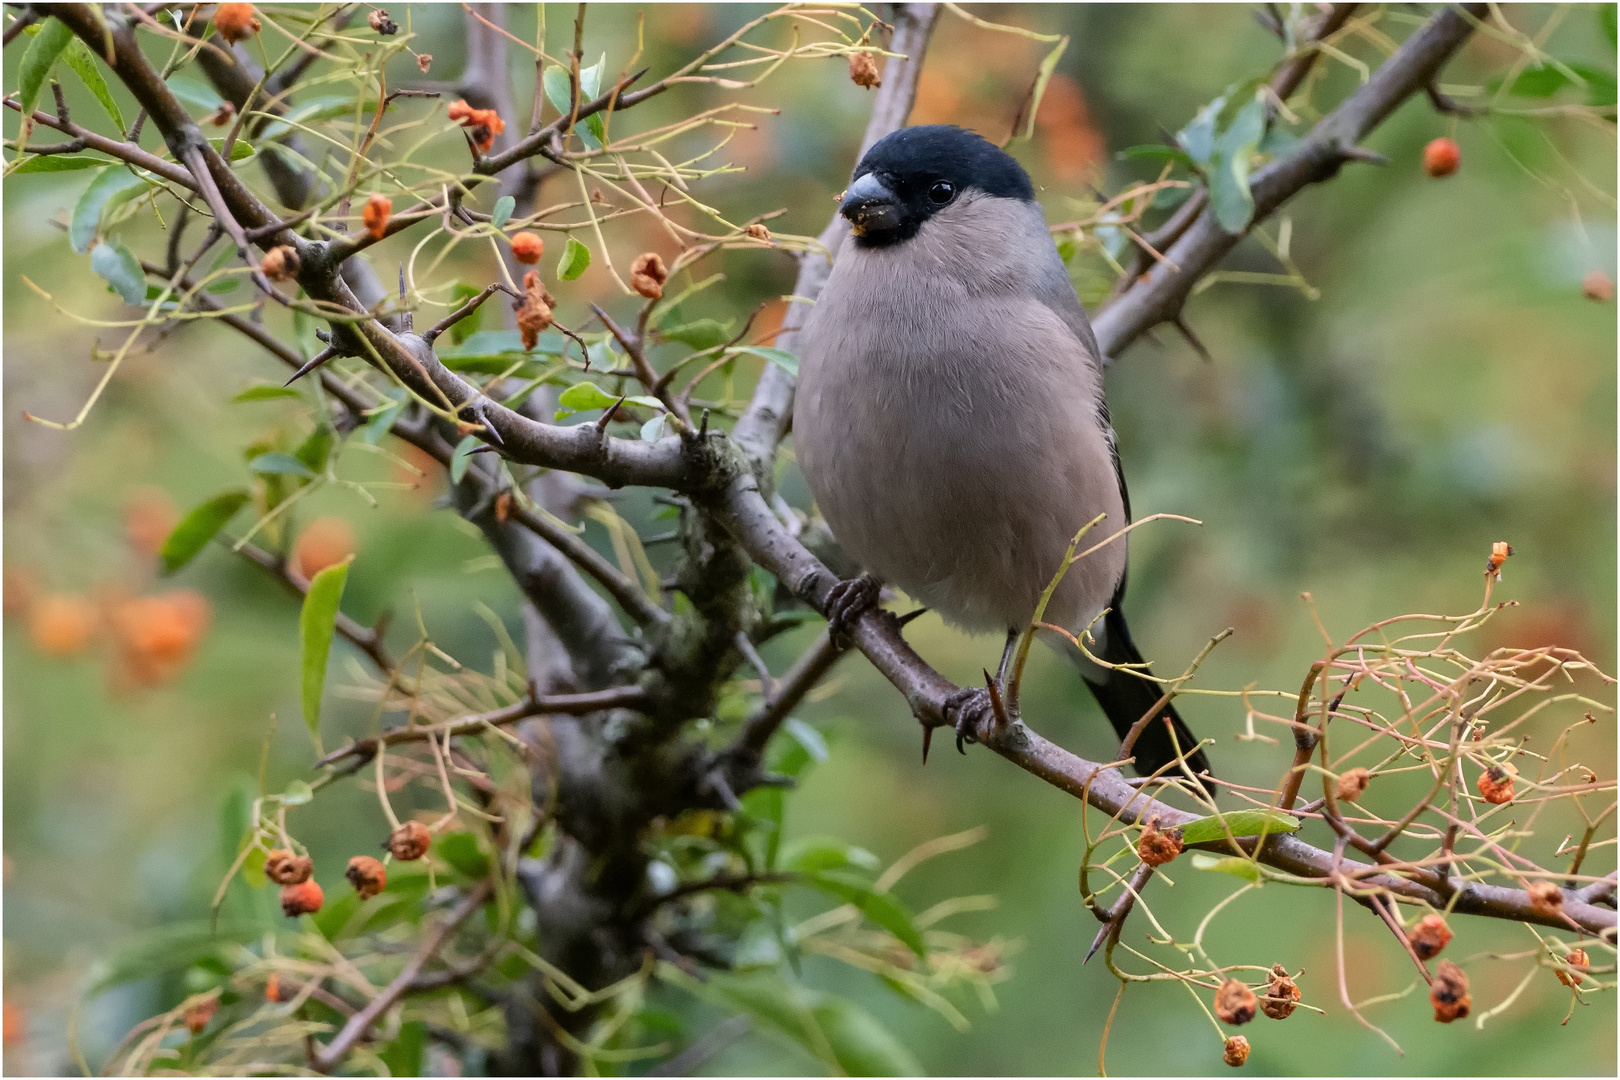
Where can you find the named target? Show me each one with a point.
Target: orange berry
(285, 868)
(281, 263)
(305, 898)
(198, 1015)
(368, 876)
(1431, 935)
(15, 1024)
(1235, 1003)
(157, 635)
(1352, 783)
(1578, 959)
(324, 542)
(409, 842)
(62, 625)
(376, 214)
(1236, 1051)
(1449, 993)
(235, 22)
(1441, 157)
(1157, 848)
(527, 247)
(1496, 783)
(481, 124)
(272, 987)
(149, 518)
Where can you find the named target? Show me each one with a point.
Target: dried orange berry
(376, 214)
(1236, 1052)
(482, 124)
(1576, 959)
(1441, 157)
(527, 247)
(1353, 783)
(280, 263)
(272, 987)
(379, 21)
(62, 625)
(198, 1015)
(1496, 783)
(324, 542)
(235, 22)
(863, 70)
(1545, 897)
(157, 635)
(367, 875)
(1597, 286)
(1235, 1003)
(647, 275)
(534, 314)
(503, 507)
(1449, 993)
(223, 115)
(305, 898)
(759, 232)
(1430, 936)
(1157, 848)
(149, 518)
(286, 868)
(1499, 555)
(409, 842)
(424, 61)
(1282, 995)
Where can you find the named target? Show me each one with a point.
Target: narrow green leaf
(808, 737)
(123, 272)
(587, 395)
(811, 854)
(463, 457)
(1229, 166)
(1240, 822)
(1606, 22)
(111, 187)
(590, 88)
(38, 60)
(882, 908)
(279, 464)
(315, 627)
(404, 1056)
(653, 430)
(241, 149)
(173, 947)
(1539, 82)
(555, 81)
(502, 212)
(780, 357)
(265, 392)
(460, 293)
(1198, 137)
(1156, 151)
(83, 62)
(198, 527)
(1233, 865)
(54, 163)
(380, 422)
(194, 91)
(576, 257)
(699, 333)
(862, 1045)
(460, 850)
(316, 450)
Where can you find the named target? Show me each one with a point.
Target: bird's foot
(978, 713)
(847, 601)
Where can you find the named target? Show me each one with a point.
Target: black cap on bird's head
(914, 173)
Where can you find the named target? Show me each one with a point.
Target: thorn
(1180, 323)
(703, 426)
(1096, 943)
(902, 620)
(1361, 153)
(607, 414)
(320, 358)
(928, 738)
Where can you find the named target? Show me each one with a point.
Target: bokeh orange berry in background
(324, 542)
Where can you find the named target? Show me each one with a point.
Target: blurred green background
(1450, 387)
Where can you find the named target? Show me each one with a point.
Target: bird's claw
(979, 713)
(847, 601)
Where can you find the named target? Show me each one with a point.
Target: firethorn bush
(563, 319)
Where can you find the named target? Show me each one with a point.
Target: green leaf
(1606, 22)
(1242, 868)
(1240, 823)
(590, 87)
(460, 850)
(241, 149)
(83, 62)
(198, 527)
(265, 392)
(403, 1056)
(315, 627)
(38, 60)
(462, 457)
(882, 908)
(1157, 151)
(463, 292)
(653, 430)
(780, 357)
(297, 794)
(171, 948)
(808, 737)
(699, 334)
(279, 464)
(1539, 82)
(316, 450)
(111, 187)
(859, 1045)
(1198, 137)
(122, 271)
(502, 212)
(53, 163)
(810, 854)
(1229, 166)
(194, 91)
(862, 1045)
(379, 423)
(575, 258)
(1600, 84)
(488, 342)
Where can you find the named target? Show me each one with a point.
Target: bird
(951, 425)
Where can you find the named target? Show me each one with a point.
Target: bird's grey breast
(947, 418)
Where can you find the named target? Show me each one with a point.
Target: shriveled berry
(1157, 848)
(1545, 897)
(1449, 993)
(379, 21)
(280, 263)
(1496, 783)
(409, 842)
(286, 868)
(1441, 157)
(1429, 936)
(1353, 783)
(235, 22)
(647, 275)
(1236, 1052)
(379, 208)
(1499, 555)
(304, 898)
(534, 314)
(1235, 1003)
(527, 247)
(198, 1015)
(367, 875)
(1575, 959)
(756, 231)
(1282, 995)
(863, 70)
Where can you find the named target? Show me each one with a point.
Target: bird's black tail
(1126, 699)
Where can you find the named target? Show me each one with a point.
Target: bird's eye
(942, 192)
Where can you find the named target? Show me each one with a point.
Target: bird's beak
(870, 206)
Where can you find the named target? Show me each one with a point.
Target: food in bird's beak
(869, 206)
